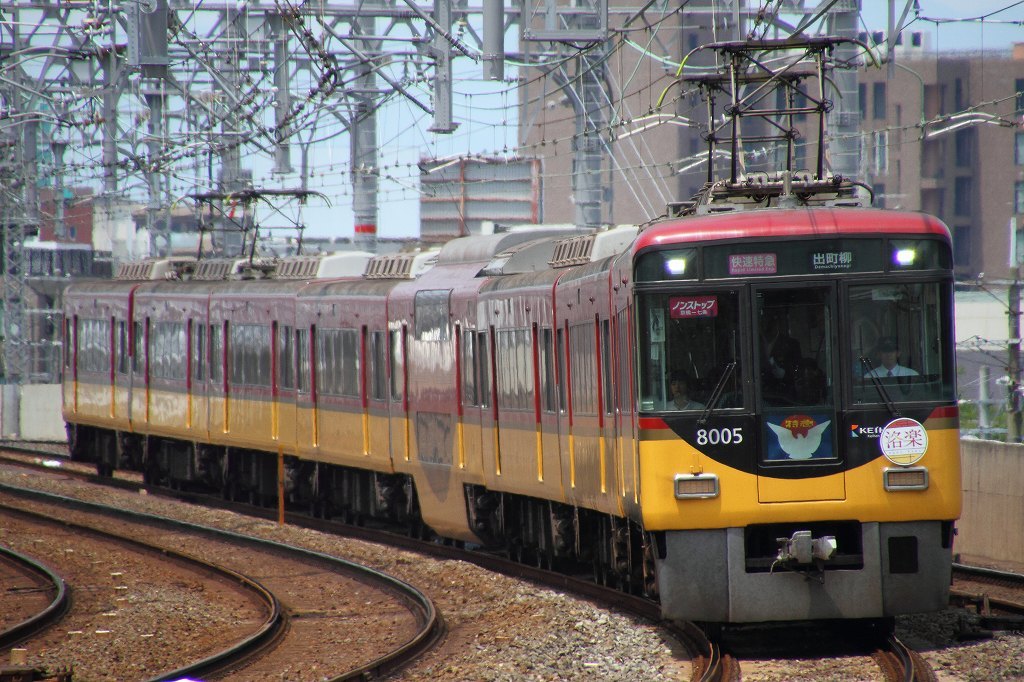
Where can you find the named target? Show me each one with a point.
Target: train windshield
(692, 350)
(895, 349)
(899, 349)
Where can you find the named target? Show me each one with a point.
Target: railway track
(900, 663)
(34, 597)
(708, 660)
(996, 597)
(301, 578)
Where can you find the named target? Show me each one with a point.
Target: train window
(515, 368)
(216, 353)
(302, 363)
(608, 394)
(249, 351)
(622, 356)
(469, 369)
(483, 369)
(69, 341)
(582, 352)
(337, 354)
(168, 351)
(900, 335)
(198, 350)
(796, 338)
(93, 345)
(431, 315)
(397, 364)
(693, 342)
(139, 345)
(121, 350)
(378, 366)
(285, 357)
(560, 369)
(548, 380)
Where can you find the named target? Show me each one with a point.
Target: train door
(625, 389)
(140, 373)
(550, 414)
(795, 372)
(198, 389)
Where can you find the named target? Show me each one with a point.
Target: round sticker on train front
(904, 441)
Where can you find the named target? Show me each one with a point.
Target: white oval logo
(904, 441)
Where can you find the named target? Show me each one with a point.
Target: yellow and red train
(701, 410)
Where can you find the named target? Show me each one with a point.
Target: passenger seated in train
(887, 353)
(679, 389)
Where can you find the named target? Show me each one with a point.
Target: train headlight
(907, 478)
(904, 257)
(696, 486)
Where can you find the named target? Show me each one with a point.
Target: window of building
(964, 188)
(964, 147)
(1018, 149)
(862, 99)
(881, 152)
(879, 189)
(1018, 197)
(878, 100)
(962, 244)
(1018, 86)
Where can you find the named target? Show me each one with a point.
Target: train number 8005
(727, 436)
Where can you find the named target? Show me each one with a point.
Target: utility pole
(1013, 417)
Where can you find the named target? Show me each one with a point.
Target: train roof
(482, 248)
(776, 223)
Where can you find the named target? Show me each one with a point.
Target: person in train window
(679, 386)
(783, 352)
(888, 356)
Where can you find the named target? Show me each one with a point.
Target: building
(939, 136)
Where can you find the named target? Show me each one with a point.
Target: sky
(488, 121)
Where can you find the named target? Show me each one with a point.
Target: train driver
(888, 355)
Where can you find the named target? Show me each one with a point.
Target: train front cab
(796, 484)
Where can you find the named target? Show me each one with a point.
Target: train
(748, 415)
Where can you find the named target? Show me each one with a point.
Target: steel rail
(42, 620)
(431, 624)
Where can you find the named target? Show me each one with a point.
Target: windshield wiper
(716, 394)
(869, 371)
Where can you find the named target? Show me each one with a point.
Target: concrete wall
(991, 526)
(32, 413)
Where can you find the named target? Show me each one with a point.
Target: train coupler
(802, 551)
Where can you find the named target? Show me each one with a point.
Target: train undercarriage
(616, 551)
